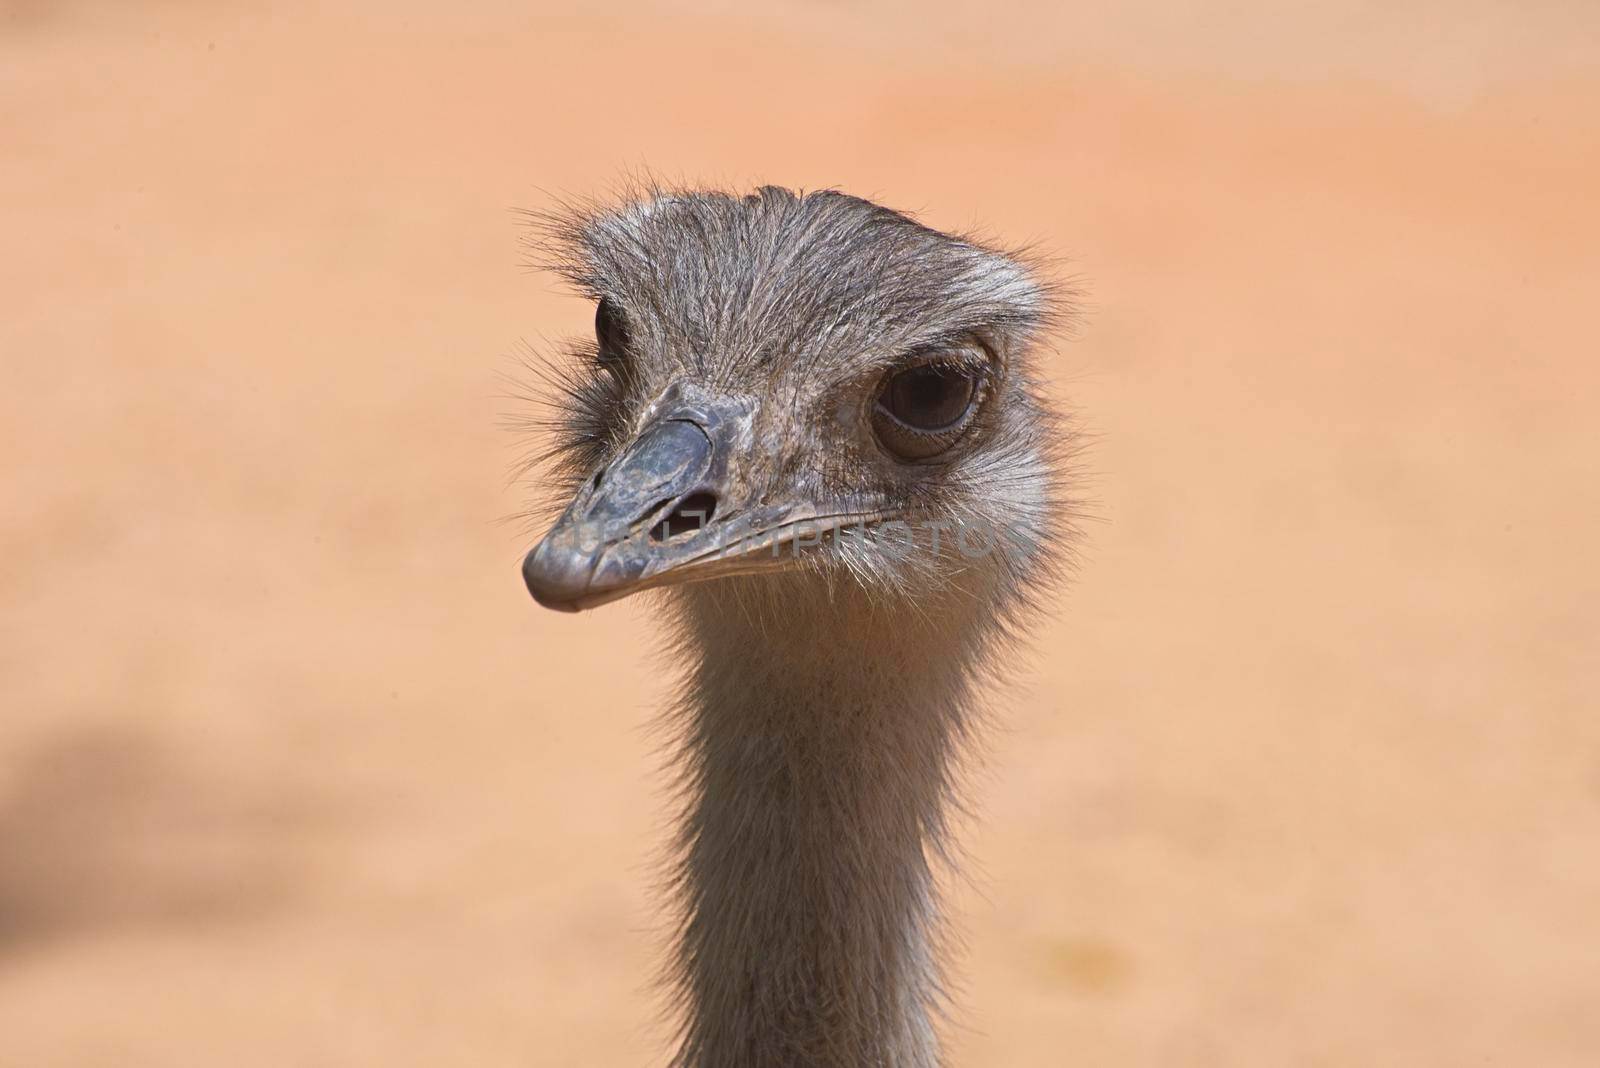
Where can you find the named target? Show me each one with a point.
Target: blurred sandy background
(292, 771)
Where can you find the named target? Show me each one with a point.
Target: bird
(816, 432)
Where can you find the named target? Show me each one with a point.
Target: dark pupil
(609, 331)
(929, 398)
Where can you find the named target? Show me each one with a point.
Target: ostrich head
(794, 387)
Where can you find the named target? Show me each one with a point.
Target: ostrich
(811, 423)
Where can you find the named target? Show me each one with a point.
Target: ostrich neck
(818, 757)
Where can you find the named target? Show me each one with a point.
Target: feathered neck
(819, 733)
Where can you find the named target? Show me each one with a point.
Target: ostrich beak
(631, 521)
(673, 508)
(667, 509)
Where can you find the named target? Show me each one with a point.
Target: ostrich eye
(932, 397)
(923, 410)
(611, 332)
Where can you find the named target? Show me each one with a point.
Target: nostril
(691, 514)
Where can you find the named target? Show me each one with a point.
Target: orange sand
(292, 771)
